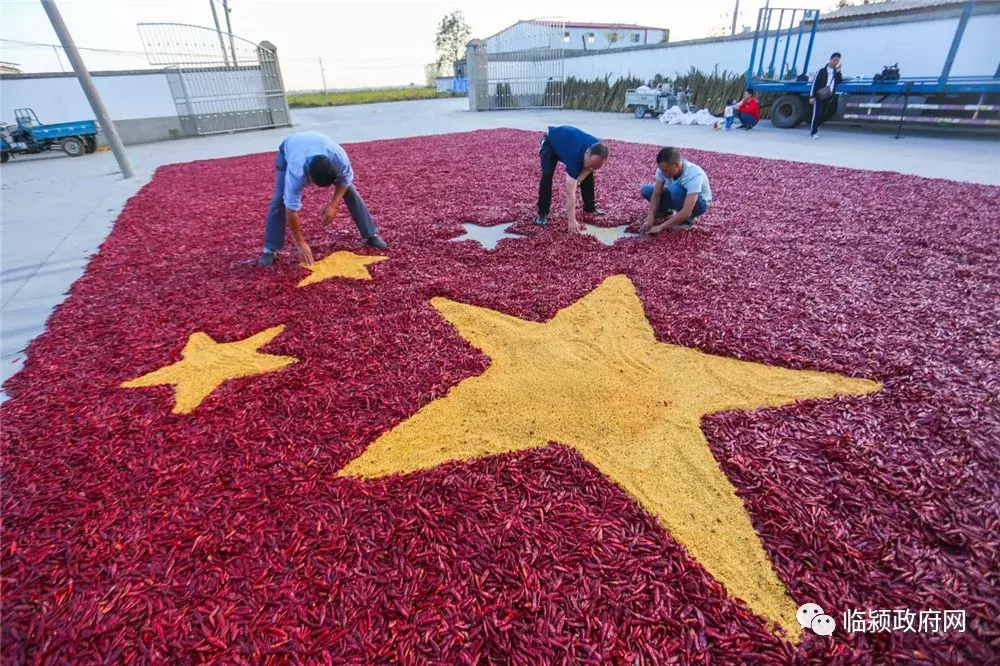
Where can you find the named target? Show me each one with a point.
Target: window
(566, 36)
(590, 38)
(635, 37)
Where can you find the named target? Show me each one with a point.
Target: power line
(368, 67)
(336, 62)
(20, 42)
(141, 54)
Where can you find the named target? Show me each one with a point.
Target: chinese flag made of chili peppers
(502, 443)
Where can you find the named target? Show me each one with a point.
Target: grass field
(307, 100)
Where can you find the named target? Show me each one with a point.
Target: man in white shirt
(679, 194)
(822, 94)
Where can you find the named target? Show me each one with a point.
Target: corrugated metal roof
(611, 26)
(892, 6)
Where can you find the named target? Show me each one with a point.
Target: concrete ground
(56, 211)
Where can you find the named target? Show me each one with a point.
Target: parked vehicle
(938, 99)
(646, 101)
(30, 136)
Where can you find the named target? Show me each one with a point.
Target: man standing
(681, 193)
(308, 158)
(822, 94)
(748, 110)
(582, 154)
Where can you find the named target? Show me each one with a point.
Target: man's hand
(329, 213)
(812, 100)
(331, 208)
(572, 224)
(305, 253)
(574, 227)
(678, 216)
(292, 219)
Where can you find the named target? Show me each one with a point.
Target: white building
(916, 34)
(573, 36)
(604, 36)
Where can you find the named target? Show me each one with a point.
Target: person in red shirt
(748, 110)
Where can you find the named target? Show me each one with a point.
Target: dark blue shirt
(570, 146)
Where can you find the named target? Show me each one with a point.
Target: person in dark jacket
(822, 94)
(582, 154)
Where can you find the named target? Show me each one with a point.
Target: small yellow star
(341, 264)
(207, 364)
(595, 378)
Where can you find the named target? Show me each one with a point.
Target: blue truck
(936, 100)
(31, 136)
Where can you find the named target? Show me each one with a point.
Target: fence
(219, 84)
(918, 42)
(520, 67)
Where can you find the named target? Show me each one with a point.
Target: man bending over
(582, 154)
(311, 158)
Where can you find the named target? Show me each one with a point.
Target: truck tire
(788, 111)
(640, 112)
(4, 156)
(91, 145)
(72, 146)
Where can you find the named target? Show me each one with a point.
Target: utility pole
(736, 13)
(322, 73)
(218, 31)
(87, 83)
(229, 29)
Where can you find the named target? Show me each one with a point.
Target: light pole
(87, 83)
(229, 29)
(218, 31)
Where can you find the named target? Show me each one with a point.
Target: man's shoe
(595, 211)
(814, 136)
(542, 220)
(377, 243)
(265, 259)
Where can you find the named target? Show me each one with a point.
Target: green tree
(452, 35)
(612, 38)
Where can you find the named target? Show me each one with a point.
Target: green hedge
(708, 91)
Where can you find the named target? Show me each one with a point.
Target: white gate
(219, 83)
(524, 66)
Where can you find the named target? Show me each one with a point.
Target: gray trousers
(274, 228)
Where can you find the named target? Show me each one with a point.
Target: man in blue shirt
(681, 193)
(582, 154)
(311, 158)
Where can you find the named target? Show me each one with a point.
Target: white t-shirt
(831, 79)
(693, 179)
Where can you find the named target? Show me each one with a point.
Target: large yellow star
(207, 364)
(595, 378)
(341, 264)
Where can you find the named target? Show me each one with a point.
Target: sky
(370, 43)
